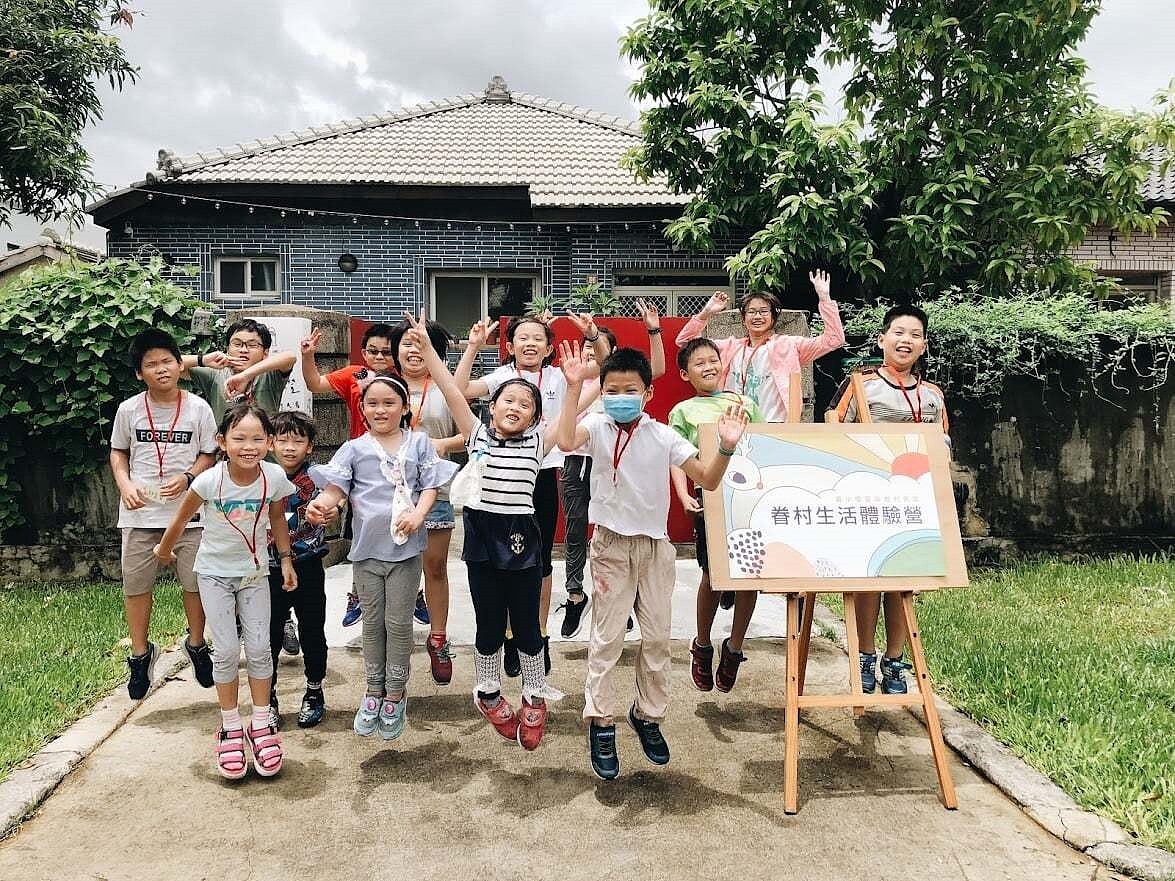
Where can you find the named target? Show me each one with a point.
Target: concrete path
(451, 800)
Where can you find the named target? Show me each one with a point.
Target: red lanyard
(161, 452)
(917, 414)
(251, 545)
(420, 409)
(618, 449)
(540, 382)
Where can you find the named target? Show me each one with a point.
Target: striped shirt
(888, 403)
(511, 468)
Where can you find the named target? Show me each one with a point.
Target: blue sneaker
(602, 750)
(367, 716)
(392, 716)
(868, 672)
(354, 610)
(420, 613)
(313, 708)
(893, 679)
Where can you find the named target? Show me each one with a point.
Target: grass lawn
(1073, 666)
(60, 653)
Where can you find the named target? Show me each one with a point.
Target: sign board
(833, 508)
(288, 334)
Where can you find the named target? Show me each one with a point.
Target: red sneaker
(440, 658)
(532, 721)
(701, 666)
(501, 716)
(728, 662)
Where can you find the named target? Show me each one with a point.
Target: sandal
(266, 745)
(231, 760)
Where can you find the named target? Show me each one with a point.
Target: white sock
(230, 720)
(260, 717)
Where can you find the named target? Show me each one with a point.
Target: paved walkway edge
(31, 782)
(1040, 798)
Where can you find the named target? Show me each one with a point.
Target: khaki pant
(629, 574)
(140, 565)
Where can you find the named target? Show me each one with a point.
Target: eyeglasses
(247, 346)
(375, 353)
(758, 312)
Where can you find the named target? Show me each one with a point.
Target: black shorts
(546, 511)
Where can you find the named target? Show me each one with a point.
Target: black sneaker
(573, 616)
(602, 747)
(290, 638)
(275, 715)
(649, 733)
(313, 708)
(546, 656)
(142, 668)
(511, 663)
(201, 657)
(726, 600)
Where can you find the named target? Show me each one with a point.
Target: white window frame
(247, 259)
(672, 293)
(484, 275)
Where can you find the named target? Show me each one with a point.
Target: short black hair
(295, 422)
(437, 335)
(771, 300)
(627, 360)
(250, 326)
(610, 336)
(520, 320)
(239, 413)
(378, 330)
(903, 309)
(153, 338)
(687, 351)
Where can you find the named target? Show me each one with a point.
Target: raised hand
(584, 322)
(648, 313)
(822, 283)
(236, 385)
(731, 426)
(546, 316)
(480, 332)
(217, 360)
(309, 345)
(572, 363)
(717, 303)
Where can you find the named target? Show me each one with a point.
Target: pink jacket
(785, 354)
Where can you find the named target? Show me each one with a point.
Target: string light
(183, 201)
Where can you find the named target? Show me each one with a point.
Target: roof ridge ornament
(497, 92)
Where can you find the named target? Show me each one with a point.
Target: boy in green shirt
(701, 366)
(244, 371)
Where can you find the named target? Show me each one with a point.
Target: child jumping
(503, 548)
(391, 475)
(293, 441)
(896, 392)
(631, 555)
(239, 497)
(161, 440)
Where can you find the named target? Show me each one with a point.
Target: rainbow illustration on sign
(832, 506)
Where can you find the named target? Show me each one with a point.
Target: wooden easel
(799, 638)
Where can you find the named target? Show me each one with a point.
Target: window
(458, 299)
(252, 277)
(673, 293)
(1134, 286)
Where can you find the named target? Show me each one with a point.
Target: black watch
(199, 359)
(190, 477)
(653, 331)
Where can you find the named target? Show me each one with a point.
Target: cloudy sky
(222, 71)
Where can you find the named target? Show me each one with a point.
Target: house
(49, 248)
(468, 206)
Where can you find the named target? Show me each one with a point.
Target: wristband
(284, 555)
(653, 331)
(591, 339)
(199, 359)
(190, 477)
(725, 452)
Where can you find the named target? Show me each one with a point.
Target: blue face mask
(623, 408)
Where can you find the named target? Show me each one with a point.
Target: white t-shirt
(750, 374)
(634, 499)
(147, 433)
(553, 388)
(236, 520)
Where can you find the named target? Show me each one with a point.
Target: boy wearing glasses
(377, 356)
(245, 371)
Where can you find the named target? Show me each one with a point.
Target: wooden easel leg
(946, 785)
(854, 643)
(791, 725)
(806, 635)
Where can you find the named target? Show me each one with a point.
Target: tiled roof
(1159, 185)
(567, 155)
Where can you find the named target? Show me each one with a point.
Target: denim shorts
(440, 516)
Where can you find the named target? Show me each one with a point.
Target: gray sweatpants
(226, 600)
(387, 593)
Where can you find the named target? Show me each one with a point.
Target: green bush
(978, 341)
(65, 333)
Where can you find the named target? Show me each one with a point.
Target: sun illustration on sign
(829, 506)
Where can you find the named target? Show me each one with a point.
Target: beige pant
(630, 574)
(140, 566)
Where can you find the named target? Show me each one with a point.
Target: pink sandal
(231, 760)
(266, 744)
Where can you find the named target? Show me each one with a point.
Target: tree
(53, 54)
(971, 149)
